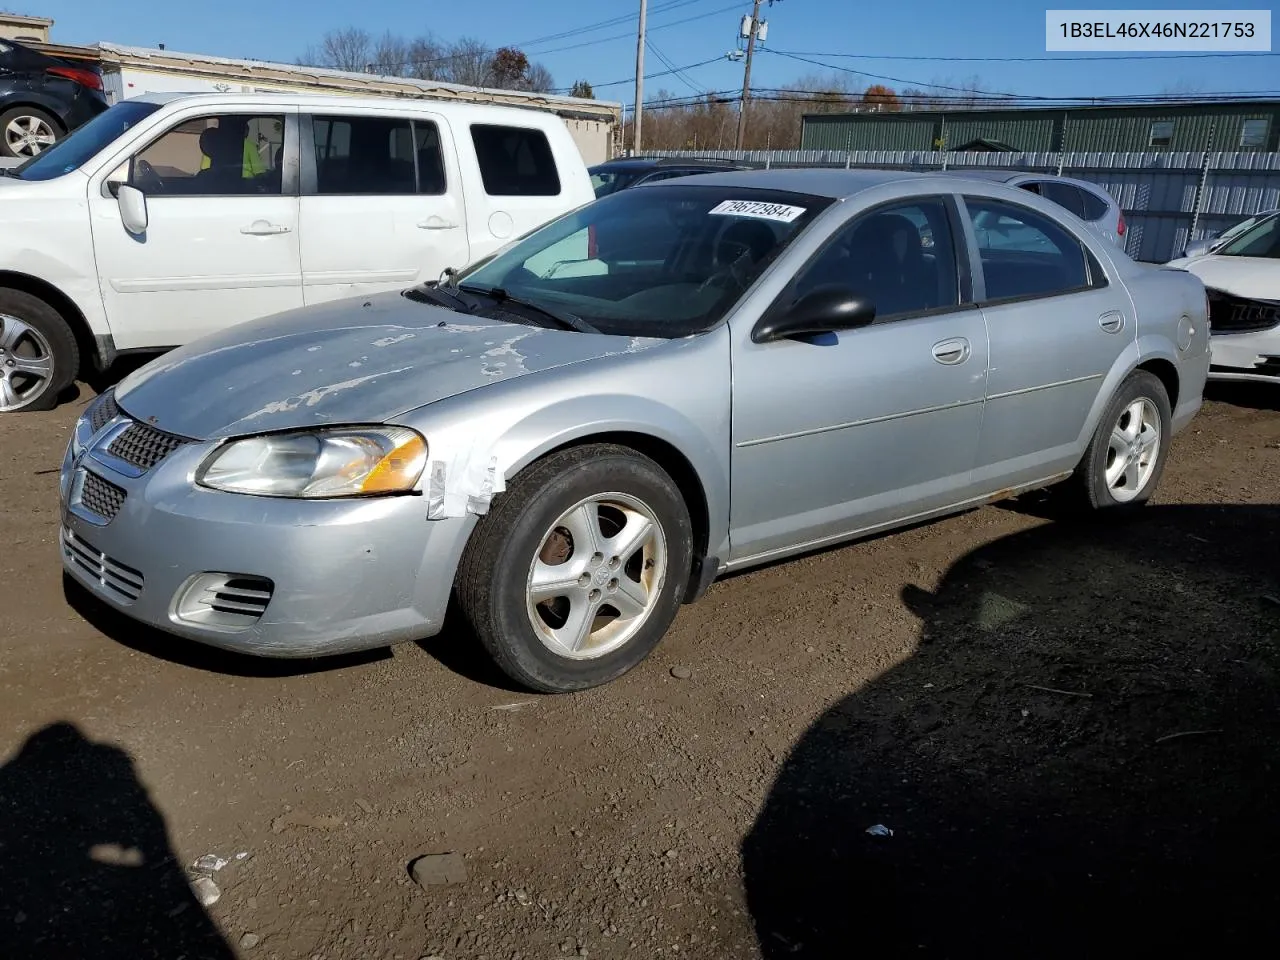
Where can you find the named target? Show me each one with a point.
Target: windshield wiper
(564, 318)
(434, 294)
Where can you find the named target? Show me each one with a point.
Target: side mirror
(824, 310)
(1198, 248)
(133, 209)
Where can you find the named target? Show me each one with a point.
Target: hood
(1252, 277)
(364, 360)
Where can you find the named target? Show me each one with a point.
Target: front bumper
(1246, 356)
(322, 577)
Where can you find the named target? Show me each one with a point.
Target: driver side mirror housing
(133, 209)
(1198, 248)
(824, 310)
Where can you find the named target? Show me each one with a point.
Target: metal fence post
(1203, 179)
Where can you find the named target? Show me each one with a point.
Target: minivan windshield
(72, 151)
(661, 261)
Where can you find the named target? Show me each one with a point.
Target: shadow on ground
(85, 864)
(1127, 809)
(1244, 393)
(199, 656)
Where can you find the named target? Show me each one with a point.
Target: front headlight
(340, 462)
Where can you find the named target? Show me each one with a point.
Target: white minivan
(168, 217)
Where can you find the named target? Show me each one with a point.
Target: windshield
(1263, 240)
(605, 182)
(663, 261)
(72, 151)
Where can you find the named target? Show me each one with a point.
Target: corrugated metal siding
(1156, 190)
(1030, 132)
(868, 134)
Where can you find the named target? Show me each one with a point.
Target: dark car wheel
(1125, 458)
(38, 353)
(578, 570)
(26, 131)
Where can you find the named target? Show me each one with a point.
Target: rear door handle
(436, 223)
(1111, 322)
(952, 351)
(261, 228)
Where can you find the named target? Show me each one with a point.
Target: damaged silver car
(568, 440)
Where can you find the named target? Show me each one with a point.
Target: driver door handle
(952, 351)
(261, 228)
(1111, 322)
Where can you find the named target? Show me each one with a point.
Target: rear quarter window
(515, 161)
(1095, 208)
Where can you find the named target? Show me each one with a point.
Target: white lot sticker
(758, 209)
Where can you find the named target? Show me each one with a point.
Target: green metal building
(1252, 125)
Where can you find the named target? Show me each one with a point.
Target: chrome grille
(143, 446)
(121, 582)
(101, 496)
(104, 411)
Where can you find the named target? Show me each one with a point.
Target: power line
(1109, 57)
(880, 76)
(603, 24)
(679, 71)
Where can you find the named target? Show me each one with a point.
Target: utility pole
(746, 73)
(638, 111)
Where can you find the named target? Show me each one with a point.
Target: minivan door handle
(436, 223)
(261, 228)
(952, 351)
(1111, 322)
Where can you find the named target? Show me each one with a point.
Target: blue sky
(903, 28)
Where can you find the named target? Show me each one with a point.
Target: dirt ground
(1070, 728)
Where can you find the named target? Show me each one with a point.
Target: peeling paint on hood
(362, 360)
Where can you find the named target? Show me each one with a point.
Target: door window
(377, 156)
(901, 256)
(1065, 196)
(223, 155)
(515, 161)
(1025, 254)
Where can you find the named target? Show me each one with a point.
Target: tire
(1140, 408)
(26, 118)
(31, 330)
(544, 517)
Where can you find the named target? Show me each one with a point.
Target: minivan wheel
(39, 356)
(576, 573)
(26, 132)
(1126, 456)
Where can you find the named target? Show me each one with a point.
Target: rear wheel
(26, 132)
(575, 575)
(39, 356)
(1127, 454)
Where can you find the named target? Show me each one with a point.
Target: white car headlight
(339, 462)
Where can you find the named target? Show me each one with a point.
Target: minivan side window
(216, 156)
(377, 156)
(1026, 255)
(515, 161)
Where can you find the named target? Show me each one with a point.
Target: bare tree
(539, 79)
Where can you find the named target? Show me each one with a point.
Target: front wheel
(576, 574)
(39, 355)
(1127, 454)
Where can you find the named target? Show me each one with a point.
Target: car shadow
(86, 869)
(199, 656)
(1082, 757)
(458, 650)
(1244, 393)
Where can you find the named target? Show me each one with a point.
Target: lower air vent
(224, 601)
(121, 583)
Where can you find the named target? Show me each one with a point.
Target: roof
(815, 181)
(321, 100)
(24, 20)
(322, 79)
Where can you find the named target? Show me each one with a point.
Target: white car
(1242, 278)
(1198, 248)
(171, 216)
(1086, 200)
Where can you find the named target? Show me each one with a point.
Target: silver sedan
(570, 439)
